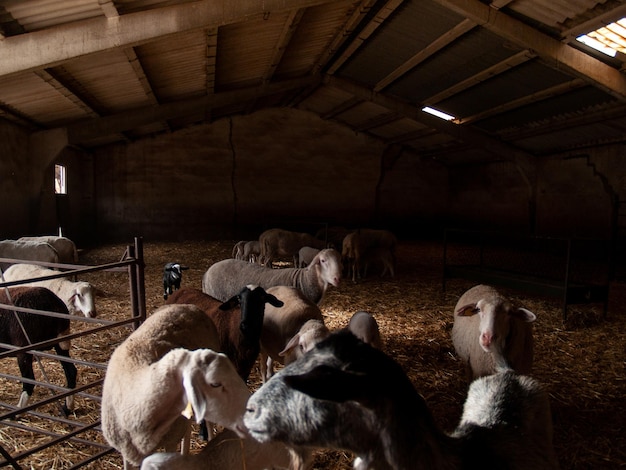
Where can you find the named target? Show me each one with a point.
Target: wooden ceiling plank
(67, 92)
(555, 53)
(49, 47)
(434, 47)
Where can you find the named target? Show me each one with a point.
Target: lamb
(168, 361)
(172, 276)
(27, 251)
(364, 326)
(345, 394)
(79, 296)
(277, 243)
(489, 332)
(226, 452)
(285, 337)
(36, 329)
(225, 278)
(65, 247)
(306, 255)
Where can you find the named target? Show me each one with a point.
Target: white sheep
(306, 255)
(345, 394)
(168, 361)
(79, 296)
(226, 451)
(365, 327)
(277, 243)
(238, 250)
(65, 247)
(489, 332)
(27, 251)
(227, 277)
(284, 336)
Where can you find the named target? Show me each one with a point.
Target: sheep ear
(290, 345)
(524, 314)
(467, 310)
(328, 383)
(273, 300)
(194, 385)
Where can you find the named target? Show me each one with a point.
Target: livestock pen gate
(40, 430)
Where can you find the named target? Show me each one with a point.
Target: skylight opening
(439, 114)
(609, 39)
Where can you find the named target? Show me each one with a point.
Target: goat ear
(273, 300)
(328, 383)
(467, 310)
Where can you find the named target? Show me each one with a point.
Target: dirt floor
(581, 362)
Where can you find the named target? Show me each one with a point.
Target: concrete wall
(284, 167)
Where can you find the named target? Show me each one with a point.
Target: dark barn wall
(284, 167)
(277, 167)
(17, 188)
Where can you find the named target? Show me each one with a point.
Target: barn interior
(185, 122)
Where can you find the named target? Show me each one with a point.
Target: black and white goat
(172, 275)
(345, 394)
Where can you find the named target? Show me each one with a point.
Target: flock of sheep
(338, 389)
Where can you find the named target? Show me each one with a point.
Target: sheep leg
(25, 363)
(70, 377)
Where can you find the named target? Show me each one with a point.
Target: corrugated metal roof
(510, 72)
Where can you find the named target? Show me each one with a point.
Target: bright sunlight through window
(609, 39)
(60, 183)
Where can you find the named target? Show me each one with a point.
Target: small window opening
(60, 181)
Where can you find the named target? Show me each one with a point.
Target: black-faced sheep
(284, 337)
(36, 328)
(227, 277)
(226, 451)
(27, 251)
(239, 321)
(79, 296)
(345, 394)
(172, 276)
(277, 243)
(489, 332)
(365, 327)
(65, 247)
(168, 361)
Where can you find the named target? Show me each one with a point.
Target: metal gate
(49, 430)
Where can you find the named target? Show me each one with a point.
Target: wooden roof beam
(435, 46)
(53, 46)
(553, 52)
